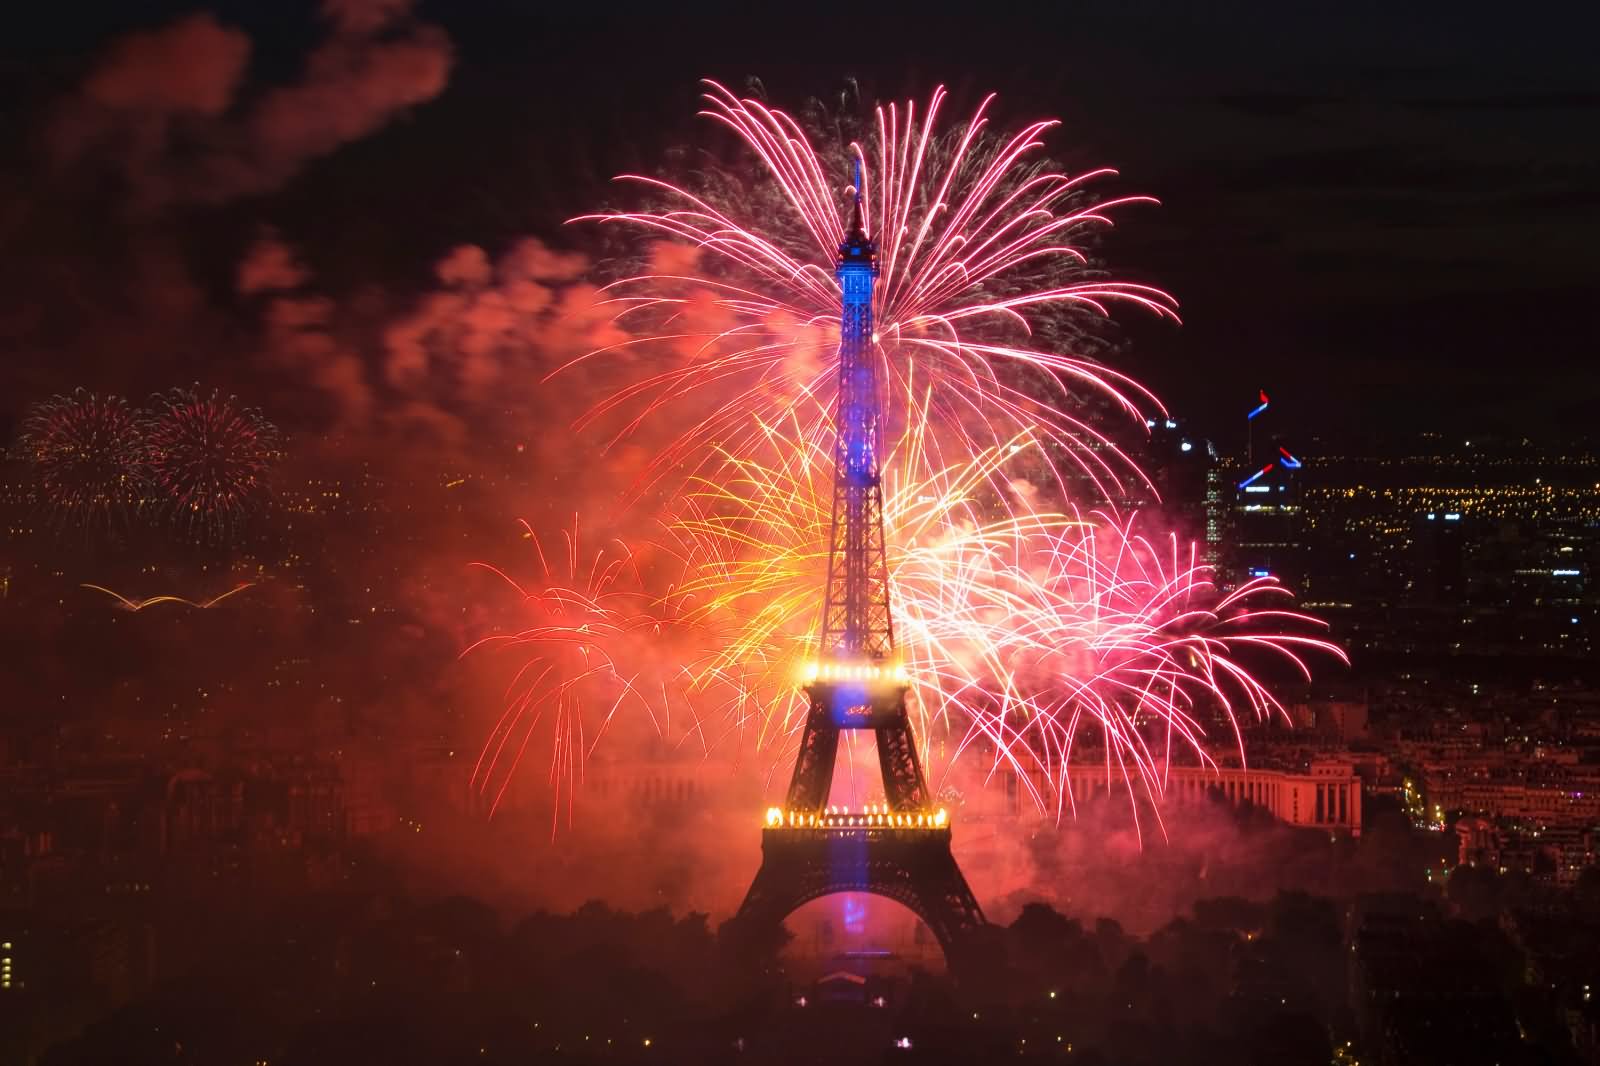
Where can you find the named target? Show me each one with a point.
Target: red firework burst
(210, 457)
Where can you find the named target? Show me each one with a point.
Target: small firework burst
(210, 457)
(586, 646)
(89, 459)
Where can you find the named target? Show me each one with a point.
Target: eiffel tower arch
(913, 867)
(899, 850)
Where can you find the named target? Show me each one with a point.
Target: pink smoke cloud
(517, 314)
(466, 265)
(270, 266)
(191, 67)
(354, 84)
(166, 109)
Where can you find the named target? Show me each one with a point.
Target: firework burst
(1047, 637)
(1051, 641)
(90, 461)
(210, 457)
(588, 648)
(981, 245)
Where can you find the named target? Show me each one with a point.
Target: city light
(1253, 478)
(870, 817)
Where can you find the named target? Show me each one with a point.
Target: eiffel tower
(899, 849)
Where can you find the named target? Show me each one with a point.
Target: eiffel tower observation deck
(899, 849)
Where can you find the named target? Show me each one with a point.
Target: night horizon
(692, 536)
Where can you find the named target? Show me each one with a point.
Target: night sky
(1384, 216)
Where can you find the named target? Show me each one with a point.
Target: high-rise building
(1264, 534)
(1179, 465)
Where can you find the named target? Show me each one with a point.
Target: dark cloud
(1557, 99)
(1273, 104)
(1367, 168)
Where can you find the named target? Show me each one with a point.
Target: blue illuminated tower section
(856, 623)
(857, 682)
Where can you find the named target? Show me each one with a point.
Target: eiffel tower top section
(857, 626)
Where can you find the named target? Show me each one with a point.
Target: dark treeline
(366, 977)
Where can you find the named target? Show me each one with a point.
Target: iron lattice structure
(857, 622)
(862, 686)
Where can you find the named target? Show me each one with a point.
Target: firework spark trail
(955, 228)
(1032, 634)
(126, 604)
(583, 660)
(210, 457)
(1038, 635)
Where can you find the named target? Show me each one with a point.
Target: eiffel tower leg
(903, 784)
(813, 765)
(946, 901)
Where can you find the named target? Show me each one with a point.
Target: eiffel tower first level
(900, 849)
